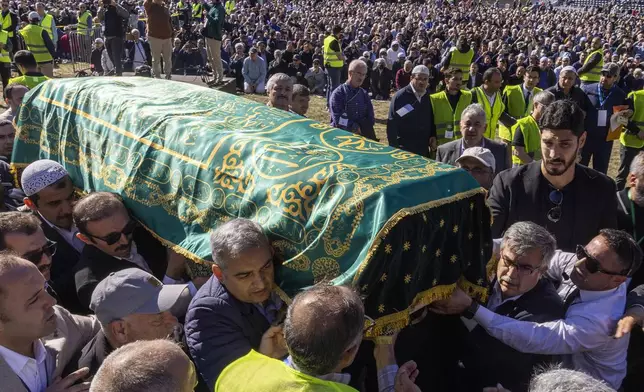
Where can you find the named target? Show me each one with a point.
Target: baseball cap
(133, 291)
(481, 154)
(611, 68)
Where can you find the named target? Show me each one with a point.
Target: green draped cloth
(338, 208)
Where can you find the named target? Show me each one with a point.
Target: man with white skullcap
(410, 125)
(50, 196)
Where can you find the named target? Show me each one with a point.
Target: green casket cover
(339, 208)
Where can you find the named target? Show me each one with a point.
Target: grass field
(317, 111)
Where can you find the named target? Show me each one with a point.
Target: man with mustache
(280, 91)
(50, 197)
(571, 201)
(114, 242)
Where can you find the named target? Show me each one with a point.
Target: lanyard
(633, 220)
(600, 95)
(346, 105)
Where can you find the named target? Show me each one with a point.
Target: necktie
(572, 296)
(527, 101)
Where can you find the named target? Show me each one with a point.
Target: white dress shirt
(140, 57)
(32, 371)
(584, 338)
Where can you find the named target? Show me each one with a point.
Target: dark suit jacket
(474, 81)
(220, 329)
(488, 361)
(64, 265)
(130, 48)
(95, 265)
(513, 197)
(451, 151)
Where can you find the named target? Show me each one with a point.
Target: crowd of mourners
(523, 97)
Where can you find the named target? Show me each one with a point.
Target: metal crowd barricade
(81, 44)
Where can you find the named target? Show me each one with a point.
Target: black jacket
(451, 151)
(489, 361)
(412, 131)
(95, 265)
(514, 198)
(474, 80)
(576, 95)
(131, 49)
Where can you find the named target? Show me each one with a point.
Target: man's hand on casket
(633, 316)
(273, 343)
(456, 304)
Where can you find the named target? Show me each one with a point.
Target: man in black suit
(50, 197)
(473, 125)
(572, 201)
(476, 78)
(114, 242)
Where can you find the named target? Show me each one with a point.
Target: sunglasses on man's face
(114, 237)
(592, 264)
(36, 255)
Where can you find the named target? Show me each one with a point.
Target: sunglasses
(36, 255)
(114, 237)
(592, 264)
(556, 198)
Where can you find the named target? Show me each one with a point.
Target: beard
(637, 195)
(558, 171)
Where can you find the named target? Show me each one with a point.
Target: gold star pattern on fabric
(470, 235)
(383, 277)
(388, 249)
(455, 229)
(381, 308)
(442, 223)
(453, 259)
(407, 278)
(438, 253)
(434, 282)
(407, 246)
(424, 248)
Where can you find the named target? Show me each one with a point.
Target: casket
(338, 208)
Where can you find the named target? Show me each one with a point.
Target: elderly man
(37, 338)
(132, 305)
(448, 106)
(350, 105)
(318, 351)
(593, 284)
(473, 125)
(300, 100)
(232, 313)
(526, 133)
(480, 163)
(155, 365)
(254, 72)
(409, 125)
(113, 242)
(519, 292)
(160, 34)
(138, 52)
(565, 89)
(280, 91)
(13, 95)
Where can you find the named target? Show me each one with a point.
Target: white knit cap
(41, 174)
(420, 70)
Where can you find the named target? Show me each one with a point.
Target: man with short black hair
(7, 136)
(554, 192)
(13, 95)
(28, 67)
(300, 100)
(21, 234)
(112, 16)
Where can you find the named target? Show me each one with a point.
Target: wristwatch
(471, 310)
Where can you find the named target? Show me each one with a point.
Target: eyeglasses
(592, 264)
(476, 170)
(556, 198)
(114, 237)
(36, 255)
(521, 268)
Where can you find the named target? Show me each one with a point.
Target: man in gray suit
(473, 124)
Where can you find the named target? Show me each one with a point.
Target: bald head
(322, 327)
(131, 368)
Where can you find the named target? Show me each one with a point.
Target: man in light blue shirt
(254, 72)
(593, 284)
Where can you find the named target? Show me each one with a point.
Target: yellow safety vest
(330, 58)
(531, 138)
(513, 95)
(7, 24)
(256, 372)
(462, 61)
(46, 23)
(627, 139)
(29, 81)
(492, 114)
(230, 6)
(197, 11)
(83, 23)
(32, 34)
(593, 75)
(446, 119)
(5, 57)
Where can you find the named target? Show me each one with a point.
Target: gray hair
(475, 110)
(523, 237)
(556, 379)
(357, 63)
(316, 348)
(544, 98)
(239, 45)
(278, 77)
(637, 166)
(277, 53)
(235, 237)
(129, 368)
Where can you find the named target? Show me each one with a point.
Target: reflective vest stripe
(32, 35)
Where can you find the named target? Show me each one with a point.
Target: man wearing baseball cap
(480, 163)
(132, 305)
